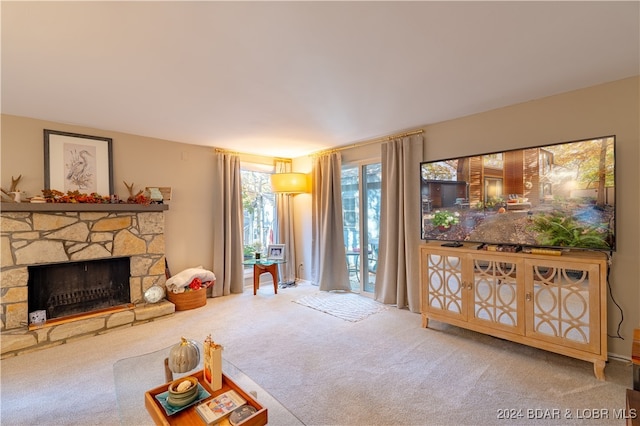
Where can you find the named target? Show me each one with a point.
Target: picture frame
(76, 162)
(275, 252)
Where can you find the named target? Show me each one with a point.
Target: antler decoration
(129, 188)
(14, 183)
(132, 197)
(13, 188)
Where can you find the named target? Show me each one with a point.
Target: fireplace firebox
(71, 288)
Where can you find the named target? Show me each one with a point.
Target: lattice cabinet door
(496, 292)
(562, 303)
(445, 288)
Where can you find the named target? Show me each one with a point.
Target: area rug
(346, 306)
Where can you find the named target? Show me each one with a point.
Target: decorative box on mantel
(56, 233)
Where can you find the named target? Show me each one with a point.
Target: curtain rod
(226, 151)
(275, 159)
(341, 148)
(384, 139)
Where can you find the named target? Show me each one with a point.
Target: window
(259, 208)
(494, 161)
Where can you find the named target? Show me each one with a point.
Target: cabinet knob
(528, 297)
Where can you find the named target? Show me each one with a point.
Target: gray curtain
(398, 275)
(227, 225)
(284, 229)
(329, 263)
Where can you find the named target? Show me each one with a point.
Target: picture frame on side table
(275, 252)
(75, 162)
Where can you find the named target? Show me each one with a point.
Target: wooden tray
(189, 416)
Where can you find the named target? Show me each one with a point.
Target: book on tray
(220, 407)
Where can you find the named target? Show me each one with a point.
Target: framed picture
(275, 252)
(74, 162)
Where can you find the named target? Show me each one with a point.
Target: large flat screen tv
(553, 196)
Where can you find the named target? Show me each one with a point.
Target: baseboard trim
(618, 357)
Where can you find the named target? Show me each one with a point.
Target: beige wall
(143, 161)
(611, 108)
(606, 109)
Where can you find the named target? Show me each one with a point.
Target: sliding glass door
(361, 199)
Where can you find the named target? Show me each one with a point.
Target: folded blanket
(180, 281)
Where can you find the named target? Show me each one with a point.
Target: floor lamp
(289, 184)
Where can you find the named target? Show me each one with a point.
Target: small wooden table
(189, 416)
(263, 267)
(635, 358)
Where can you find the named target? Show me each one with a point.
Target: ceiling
(291, 78)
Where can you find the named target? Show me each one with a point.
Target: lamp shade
(289, 183)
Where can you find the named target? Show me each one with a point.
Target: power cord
(618, 335)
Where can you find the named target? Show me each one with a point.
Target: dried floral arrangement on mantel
(53, 196)
(76, 197)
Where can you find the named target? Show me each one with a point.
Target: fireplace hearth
(36, 237)
(71, 288)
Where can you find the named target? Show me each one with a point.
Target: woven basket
(188, 299)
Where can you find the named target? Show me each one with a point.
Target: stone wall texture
(29, 238)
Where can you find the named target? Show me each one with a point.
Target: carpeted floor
(384, 369)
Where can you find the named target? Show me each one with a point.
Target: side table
(264, 267)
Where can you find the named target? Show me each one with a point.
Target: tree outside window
(258, 203)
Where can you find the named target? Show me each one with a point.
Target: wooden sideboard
(555, 303)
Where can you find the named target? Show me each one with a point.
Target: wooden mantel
(81, 207)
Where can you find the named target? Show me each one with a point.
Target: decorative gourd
(501, 210)
(183, 357)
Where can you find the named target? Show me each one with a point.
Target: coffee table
(136, 375)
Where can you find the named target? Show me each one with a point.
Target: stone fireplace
(39, 237)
